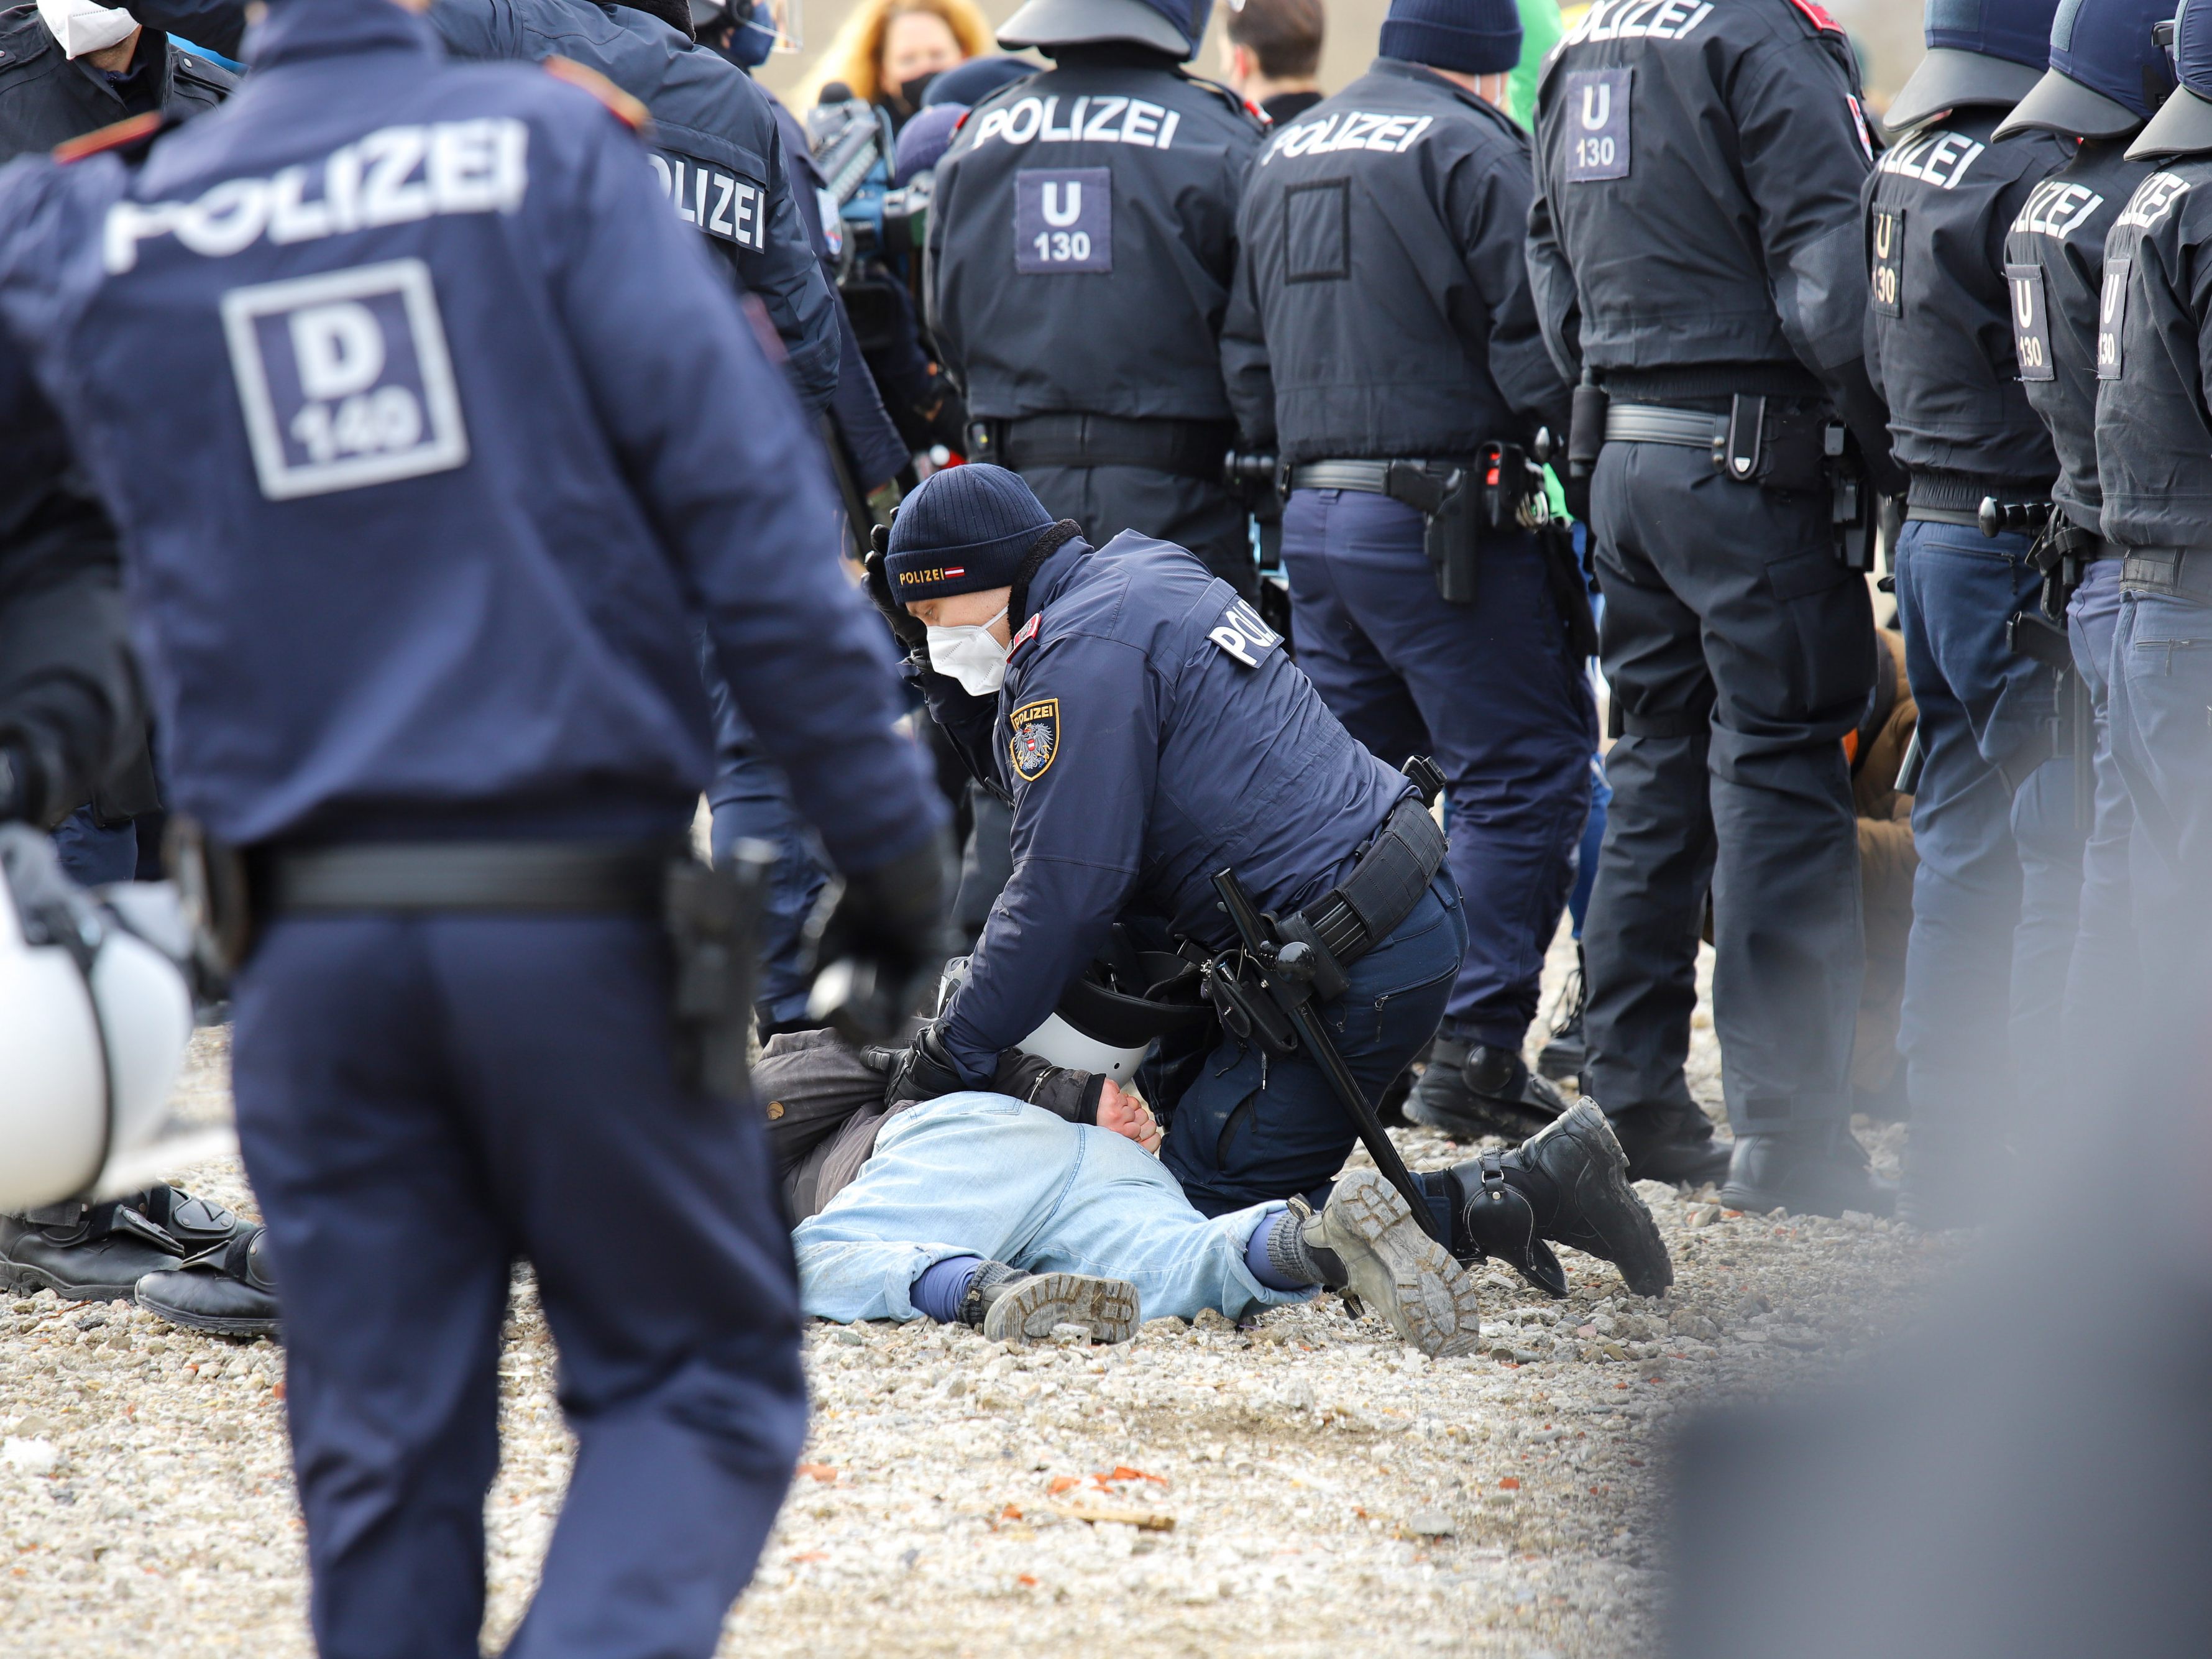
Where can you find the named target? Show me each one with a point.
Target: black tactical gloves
(877, 939)
(904, 624)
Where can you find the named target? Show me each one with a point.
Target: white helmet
(1099, 1025)
(94, 1021)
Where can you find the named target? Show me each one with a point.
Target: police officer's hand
(920, 1071)
(876, 943)
(904, 622)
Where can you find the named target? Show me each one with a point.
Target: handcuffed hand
(1128, 1114)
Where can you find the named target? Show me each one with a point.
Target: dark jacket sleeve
(971, 723)
(71, 707)
(217, 25)
(1806, 163)
(723, 460)
(1244, 367)
(1079, 841)
(1488, 208)
(1552, 283)
(788, 276)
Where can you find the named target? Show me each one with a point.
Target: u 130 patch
(1034, 744)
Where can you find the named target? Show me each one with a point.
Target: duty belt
(2181, 573)
(1189, 449)
(1649, 424)
(468, 875)
(1358, 912)
(1373, 477)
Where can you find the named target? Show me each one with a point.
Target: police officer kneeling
(1152, 732)
(416, 531)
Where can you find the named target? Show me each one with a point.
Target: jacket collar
(153, 56)
(296, 31)
(1398, 68)
(1051, 577)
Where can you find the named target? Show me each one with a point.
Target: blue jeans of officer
(2102, 973)
(1995, 900)
(1248, 1127)
(1489, 691)
(1738, 652)
(2161, 712)
(424, 1100)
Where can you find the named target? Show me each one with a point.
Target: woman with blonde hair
(888, 50)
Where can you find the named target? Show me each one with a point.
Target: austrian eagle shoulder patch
(1034, 742)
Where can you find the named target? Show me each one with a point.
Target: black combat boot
(1470, 1092)
(1671, 1143)
(231, 1290)
(1564, 1054)
(87, 1252)
(1568, 1184)
(1820, 1170)
(1012, 1303)
(1366, 1240)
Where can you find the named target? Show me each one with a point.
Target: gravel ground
(1306, 1485)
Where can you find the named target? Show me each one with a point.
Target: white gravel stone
(1307, 1486)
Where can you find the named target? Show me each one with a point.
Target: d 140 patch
(1036, 740)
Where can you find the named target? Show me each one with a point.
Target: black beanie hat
(1467, 37)
(966, 530)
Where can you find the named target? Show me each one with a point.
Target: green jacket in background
(1541, 26)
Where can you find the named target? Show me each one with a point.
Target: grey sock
(1291, 1259)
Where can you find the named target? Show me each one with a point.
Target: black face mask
(909, 93)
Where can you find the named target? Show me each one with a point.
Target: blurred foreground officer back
(1994, 900)
(464, 427)
(2154, 463)
(1694, 249)
(2107, 75)
(1382, 336)
(1082, 238)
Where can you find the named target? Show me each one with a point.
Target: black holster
(1449, 508)
(1586, 427)
(713, 914)
(1570, 589)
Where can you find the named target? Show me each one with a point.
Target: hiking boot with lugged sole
(1395, 1268)
(1023, 1307)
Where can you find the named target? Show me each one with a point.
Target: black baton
(1286, 971)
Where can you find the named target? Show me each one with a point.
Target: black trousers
(1739, 652)
(1197, 513)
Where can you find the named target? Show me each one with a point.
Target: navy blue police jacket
(2154, 363)
(1695, 230)
(2055, 269)
(426, 426)
(1082, 238)
(715, 146)
(1938, 329)
(1381, 304)
(1151, 731)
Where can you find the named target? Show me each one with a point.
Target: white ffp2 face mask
(971, 655)
(82, 27)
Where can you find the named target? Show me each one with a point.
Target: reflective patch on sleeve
(1242, 634)
(2031, 323)
(344, 378)
(1034, 742)
(1597, 124)
(728, 208)
(1886, 278)
(2112, 317)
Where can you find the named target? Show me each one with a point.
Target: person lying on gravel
(1041, 1203)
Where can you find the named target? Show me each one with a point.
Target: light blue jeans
(984, 1175)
